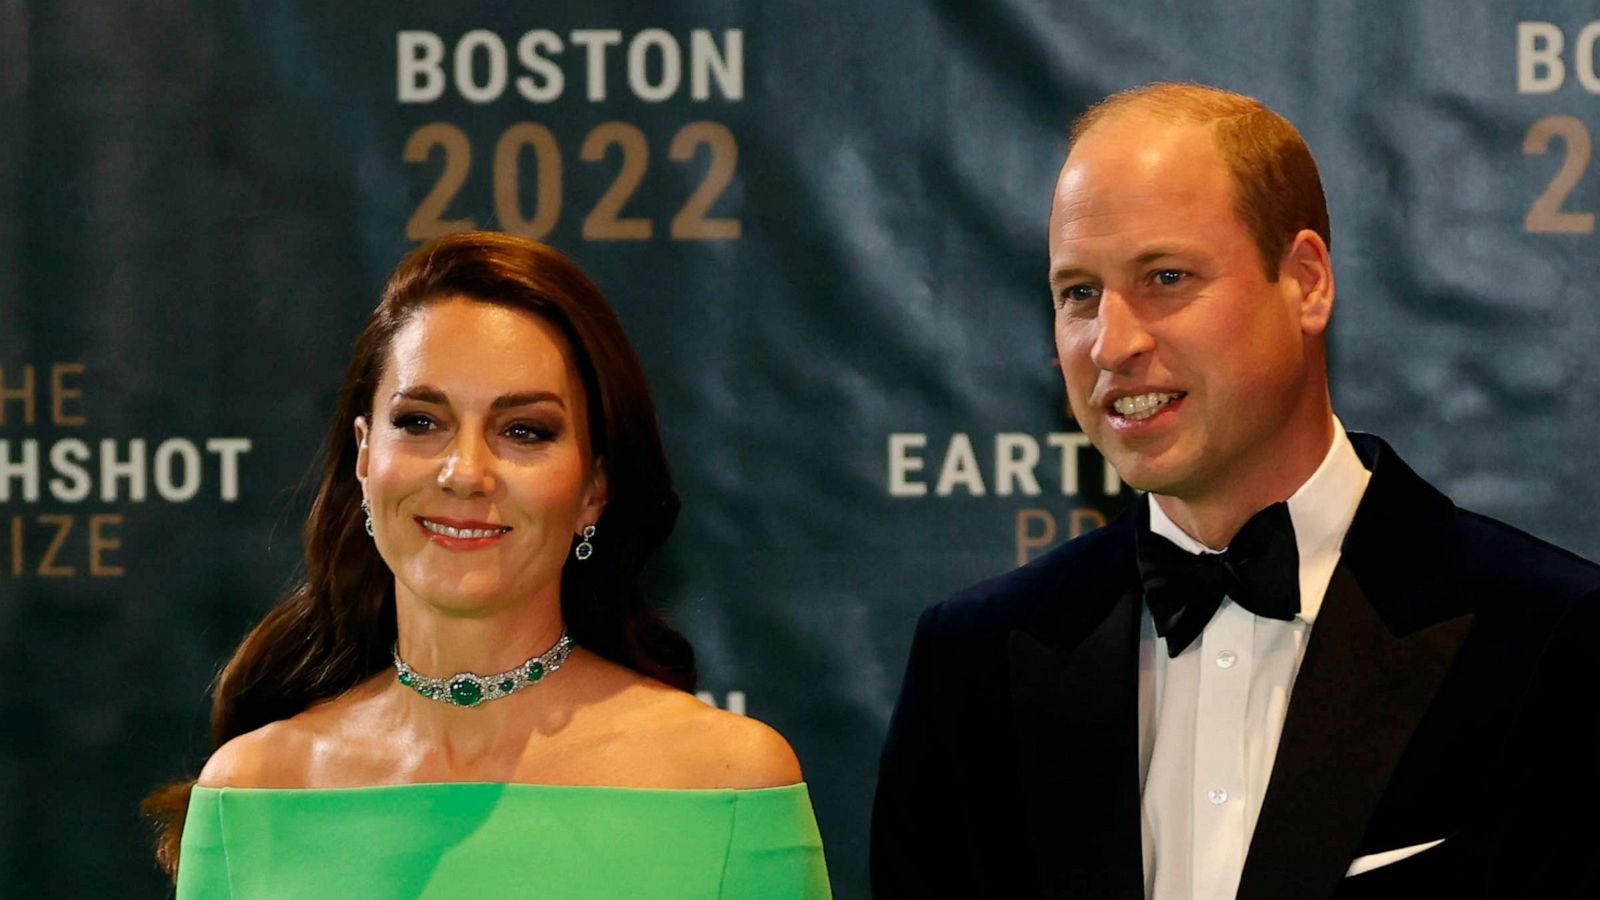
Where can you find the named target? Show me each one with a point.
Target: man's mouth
(1143, 406)
(462, 533)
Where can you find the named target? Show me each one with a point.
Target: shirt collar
(1321, 509)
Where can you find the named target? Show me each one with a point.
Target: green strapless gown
(481, 841)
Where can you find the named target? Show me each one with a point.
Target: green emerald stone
(507, 685)
(465, 693)
(405, 678)
(535, 671)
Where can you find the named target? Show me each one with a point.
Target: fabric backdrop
(823, 224)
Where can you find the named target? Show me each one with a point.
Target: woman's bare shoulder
(270, 756)
(713, 748)
(308, 749)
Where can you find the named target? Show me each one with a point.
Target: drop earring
(368, 510)
(585, 549)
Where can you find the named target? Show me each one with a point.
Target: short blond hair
(1277, 190)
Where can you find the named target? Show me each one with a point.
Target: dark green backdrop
(198, 203)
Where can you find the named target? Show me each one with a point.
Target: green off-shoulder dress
(478, 840)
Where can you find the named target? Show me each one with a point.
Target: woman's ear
(361, 450)
(595, 495)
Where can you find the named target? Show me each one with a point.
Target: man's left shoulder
(1510, 570)
(1500, 550)
(1410, 538)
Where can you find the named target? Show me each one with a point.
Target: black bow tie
(1260, 571)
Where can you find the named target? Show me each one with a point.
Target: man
(1370, 693)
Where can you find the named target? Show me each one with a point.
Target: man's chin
(1150, 475)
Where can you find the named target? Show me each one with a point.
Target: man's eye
(1079, 293)
(414, 423)
(1170, 277)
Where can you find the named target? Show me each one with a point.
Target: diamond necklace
(470, 688)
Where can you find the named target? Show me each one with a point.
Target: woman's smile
(457, 534)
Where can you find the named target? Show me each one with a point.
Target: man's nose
(1122, 337)
(469, 466)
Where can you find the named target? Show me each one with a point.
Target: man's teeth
(1141, 406)
(447, 531)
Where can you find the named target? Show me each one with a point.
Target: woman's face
(476, 459)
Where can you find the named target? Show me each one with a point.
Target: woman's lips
(454, 534)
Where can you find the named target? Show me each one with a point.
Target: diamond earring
(585, 549)
(368, 510)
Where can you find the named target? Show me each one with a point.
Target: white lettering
(26, 469)
(528, 53)
(65, 457)
(638, 65)
(495, 51)
(734, 705)
(902, 464)
(1015, 457)
(1583, 64)
(171, 489)
(1539, 66)
(1015, 469)
(727, 65)
(1069, 443)
(229, 449)
(960, 467)
(419, 73)
(595, 41)
(112, 470)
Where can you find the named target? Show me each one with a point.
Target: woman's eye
(414, 423)
(528, 434)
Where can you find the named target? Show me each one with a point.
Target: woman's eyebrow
(425, 394)
(421, 394)
(526, 398)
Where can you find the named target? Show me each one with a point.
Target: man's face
(1184, 365)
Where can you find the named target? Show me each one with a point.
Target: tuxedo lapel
(1357, 699)
(1077, 719)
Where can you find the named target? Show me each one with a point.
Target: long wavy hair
(335, 628)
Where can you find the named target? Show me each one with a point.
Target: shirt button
(1226, 659)
(1218, 796)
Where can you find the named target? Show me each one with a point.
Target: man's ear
(1308, 270)
(361, 449)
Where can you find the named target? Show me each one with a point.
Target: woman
(468, 696)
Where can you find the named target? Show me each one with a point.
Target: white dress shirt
(1210, 718)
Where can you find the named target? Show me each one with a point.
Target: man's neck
(1213, 518)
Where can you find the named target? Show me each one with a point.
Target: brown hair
(335, 629)
(1277, 191)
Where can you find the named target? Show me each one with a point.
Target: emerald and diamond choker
(471, 689)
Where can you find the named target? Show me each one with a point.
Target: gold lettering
(1546, 215)
(508, 177)
(47, 566)
(25, 393)
(16, 546)
(1085, 520)
(1029, 539)
(691, 224)
(428, 221)
(99, 543)
(604, 222)
(60, 394)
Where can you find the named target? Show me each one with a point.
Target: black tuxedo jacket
(1447, 691)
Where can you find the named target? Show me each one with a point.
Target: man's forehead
(1135, 163)
(1141, 143)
